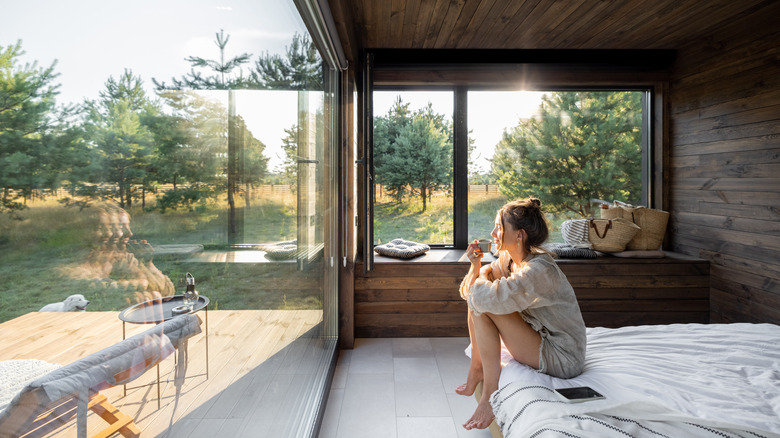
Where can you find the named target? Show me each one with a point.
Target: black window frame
(641, 70)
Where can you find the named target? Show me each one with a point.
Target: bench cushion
(402, 249)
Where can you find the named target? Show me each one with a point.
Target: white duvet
(679, 380)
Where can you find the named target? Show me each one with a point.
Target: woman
(118, 263)
(522, 299)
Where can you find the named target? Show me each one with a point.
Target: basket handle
(596, 229)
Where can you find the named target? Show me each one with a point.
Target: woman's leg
(521, 341)
(475, 366)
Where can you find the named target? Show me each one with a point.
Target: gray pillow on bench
(402, 249)
(566, 251)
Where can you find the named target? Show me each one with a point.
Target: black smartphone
(579, 394)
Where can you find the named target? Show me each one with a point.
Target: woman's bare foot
(482, 417)
(474, 377)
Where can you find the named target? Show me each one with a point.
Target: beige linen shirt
(545, 300)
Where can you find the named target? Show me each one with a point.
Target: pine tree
(386, 132)
(415, 152)
(583, 145)
(123, 143)
(290, 147)
(300, 69)
(220, 73)
(190, 145)
(36, 143)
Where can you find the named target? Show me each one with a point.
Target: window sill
(196, 254)
(457, 256)
(433, 256)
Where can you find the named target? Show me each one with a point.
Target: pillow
(286, 250)
(402, 249)
(566, 251)
(575, 233)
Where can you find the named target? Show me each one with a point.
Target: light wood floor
(261, 362)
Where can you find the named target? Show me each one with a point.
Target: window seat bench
(419, 297)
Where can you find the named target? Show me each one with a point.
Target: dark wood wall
(725, 164)
(409, 299)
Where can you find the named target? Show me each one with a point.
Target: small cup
(484, 245)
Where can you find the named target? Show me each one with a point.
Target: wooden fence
(474, 189)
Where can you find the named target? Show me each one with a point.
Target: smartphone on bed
(579, 394)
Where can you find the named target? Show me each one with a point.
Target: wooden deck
(260, 362)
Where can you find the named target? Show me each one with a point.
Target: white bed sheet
(719, 373)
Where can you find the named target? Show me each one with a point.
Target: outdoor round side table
(158, 310)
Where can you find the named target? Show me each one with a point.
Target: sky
(92, 40)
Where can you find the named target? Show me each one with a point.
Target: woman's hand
(474, 254)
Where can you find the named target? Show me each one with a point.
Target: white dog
(74, 303)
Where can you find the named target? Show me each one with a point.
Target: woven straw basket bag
(652, 224)
(611, 235)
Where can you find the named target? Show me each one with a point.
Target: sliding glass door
(203, 144)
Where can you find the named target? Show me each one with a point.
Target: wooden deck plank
(43, 331)
(259, 377)
(248, 351)
(230, 399)
(222, 348)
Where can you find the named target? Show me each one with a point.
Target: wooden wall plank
(409, 295)
(423, 18)
(397, 19)
(526, 21)
(513, 16)
(449, 22)
(480, 21)
(422, 299)
(414, 307)
(465, 17)
(725, 106)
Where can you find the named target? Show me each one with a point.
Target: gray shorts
(556, 362)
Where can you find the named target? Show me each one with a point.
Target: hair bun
(535, 202)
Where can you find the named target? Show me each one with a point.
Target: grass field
(405, 220)
(39, 254)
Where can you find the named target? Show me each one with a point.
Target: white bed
(679, 380)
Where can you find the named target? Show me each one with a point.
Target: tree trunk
(424, 198)
(121, 195)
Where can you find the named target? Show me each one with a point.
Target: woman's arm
(534, 286)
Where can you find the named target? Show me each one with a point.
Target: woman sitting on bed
(522, 299)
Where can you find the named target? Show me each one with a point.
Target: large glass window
(142, 142)
(570, 148)
(413, 166)
(567, 148)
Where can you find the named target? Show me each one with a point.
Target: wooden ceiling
(532, 24)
